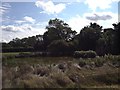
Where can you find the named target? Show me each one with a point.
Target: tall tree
(57, 30)
(105, 44)
(117, 38)
(88, 37)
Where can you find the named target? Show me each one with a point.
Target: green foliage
(59, 37)
(99, 62)
(85, 54)
(88, 37)
(82, 63)
(61, 48)
(58, 30)
(58, 46)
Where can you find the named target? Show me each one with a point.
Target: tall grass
(47, 72)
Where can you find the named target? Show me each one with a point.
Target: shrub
(25, 69)
(84, 54)
(62, 66)
(41, 71)
(37, 82)
(74, 78)
(99, 62)
(58, 46)
(82, 63)
(61, 79)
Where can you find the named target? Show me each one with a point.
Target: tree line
(60, 38)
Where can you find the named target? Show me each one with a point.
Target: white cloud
(26, 19)
(25, 27)
(10, 28)
(29, 19)
(96, 17)
(78, 22)
(102, 4)
(4, 8)
(19, 21)
(10, 32)
(6, 5)
(15, 29)
(49, 7)
(108, 23)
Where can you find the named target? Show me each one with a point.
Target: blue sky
(23, 19)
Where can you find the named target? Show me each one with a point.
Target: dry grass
(64, 72)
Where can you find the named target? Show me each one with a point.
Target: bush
(84, 54)
(36, 82)
(82, 63)
(61, 79)
(99, 63)
(25, 69)
(41, 71)
(58, 46)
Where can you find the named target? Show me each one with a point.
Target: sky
(21, 19)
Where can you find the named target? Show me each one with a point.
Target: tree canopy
(59, 37)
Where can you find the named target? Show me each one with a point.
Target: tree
(58, 46)
(88, 37)
(117, 38)
(16, 43)
(105, 43)
(29, 43)
(57, 30)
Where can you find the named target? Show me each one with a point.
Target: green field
(60, 72)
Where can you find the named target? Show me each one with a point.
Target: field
(60, 72)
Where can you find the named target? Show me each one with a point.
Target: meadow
(60, 72)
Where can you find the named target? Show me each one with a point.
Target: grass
(41, 72)
(12, 53)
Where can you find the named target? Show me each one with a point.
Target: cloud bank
(49, 7)
(96, 17)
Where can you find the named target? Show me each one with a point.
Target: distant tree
(58, 30)
(88, 37)
(16, 43)
(5, 45)
(110, 40)
(58, 46)
(105, 43)
(59, 37)
(117, 38)
(62, 46)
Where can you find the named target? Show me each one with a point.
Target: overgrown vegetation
(61, 72)
(84, 54)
